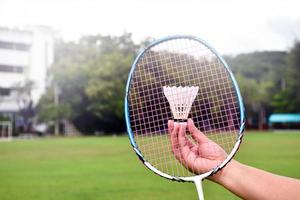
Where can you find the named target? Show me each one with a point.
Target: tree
(68, 75)
(259, 76)
(91, 76)
(107, 78)
(288, 99)
(25, 102)
(49, 111)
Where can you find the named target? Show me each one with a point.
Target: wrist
(223, 176)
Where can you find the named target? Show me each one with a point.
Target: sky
(230, 26)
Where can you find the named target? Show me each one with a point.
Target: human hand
(202, 155)
(198, 156)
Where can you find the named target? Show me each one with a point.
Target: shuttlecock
(180, 100)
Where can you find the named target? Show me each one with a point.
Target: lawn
(106, 168)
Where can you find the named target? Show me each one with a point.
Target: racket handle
(198, 183)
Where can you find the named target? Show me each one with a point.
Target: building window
(13, 69)
(4, 92)
(14, 45)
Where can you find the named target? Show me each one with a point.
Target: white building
(25, 55)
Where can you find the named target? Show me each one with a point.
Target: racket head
(133, 133)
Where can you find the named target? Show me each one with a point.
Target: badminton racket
(181, 77)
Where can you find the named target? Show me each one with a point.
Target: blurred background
(64, 64)
(63, 70)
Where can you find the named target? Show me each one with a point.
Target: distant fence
(5, 130)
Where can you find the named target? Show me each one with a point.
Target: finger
(170, 126)
(184, 146)
(174, 135)
(187, 153)
(197, 135)
(174, 141)
(181, 135)
(188, 142)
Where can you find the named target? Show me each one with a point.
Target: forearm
(251, 183)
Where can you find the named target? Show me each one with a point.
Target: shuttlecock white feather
(180, 100)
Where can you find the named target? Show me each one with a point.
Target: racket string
(215, 110)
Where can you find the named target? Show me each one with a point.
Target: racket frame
(197, 179)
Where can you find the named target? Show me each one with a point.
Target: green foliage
(4, 118)
(288, 99)
(261, 70)
(262, 77)
(107, 76)
(91, 76)
(49, 112)
(106, 86)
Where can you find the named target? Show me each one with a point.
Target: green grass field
(106, 168)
